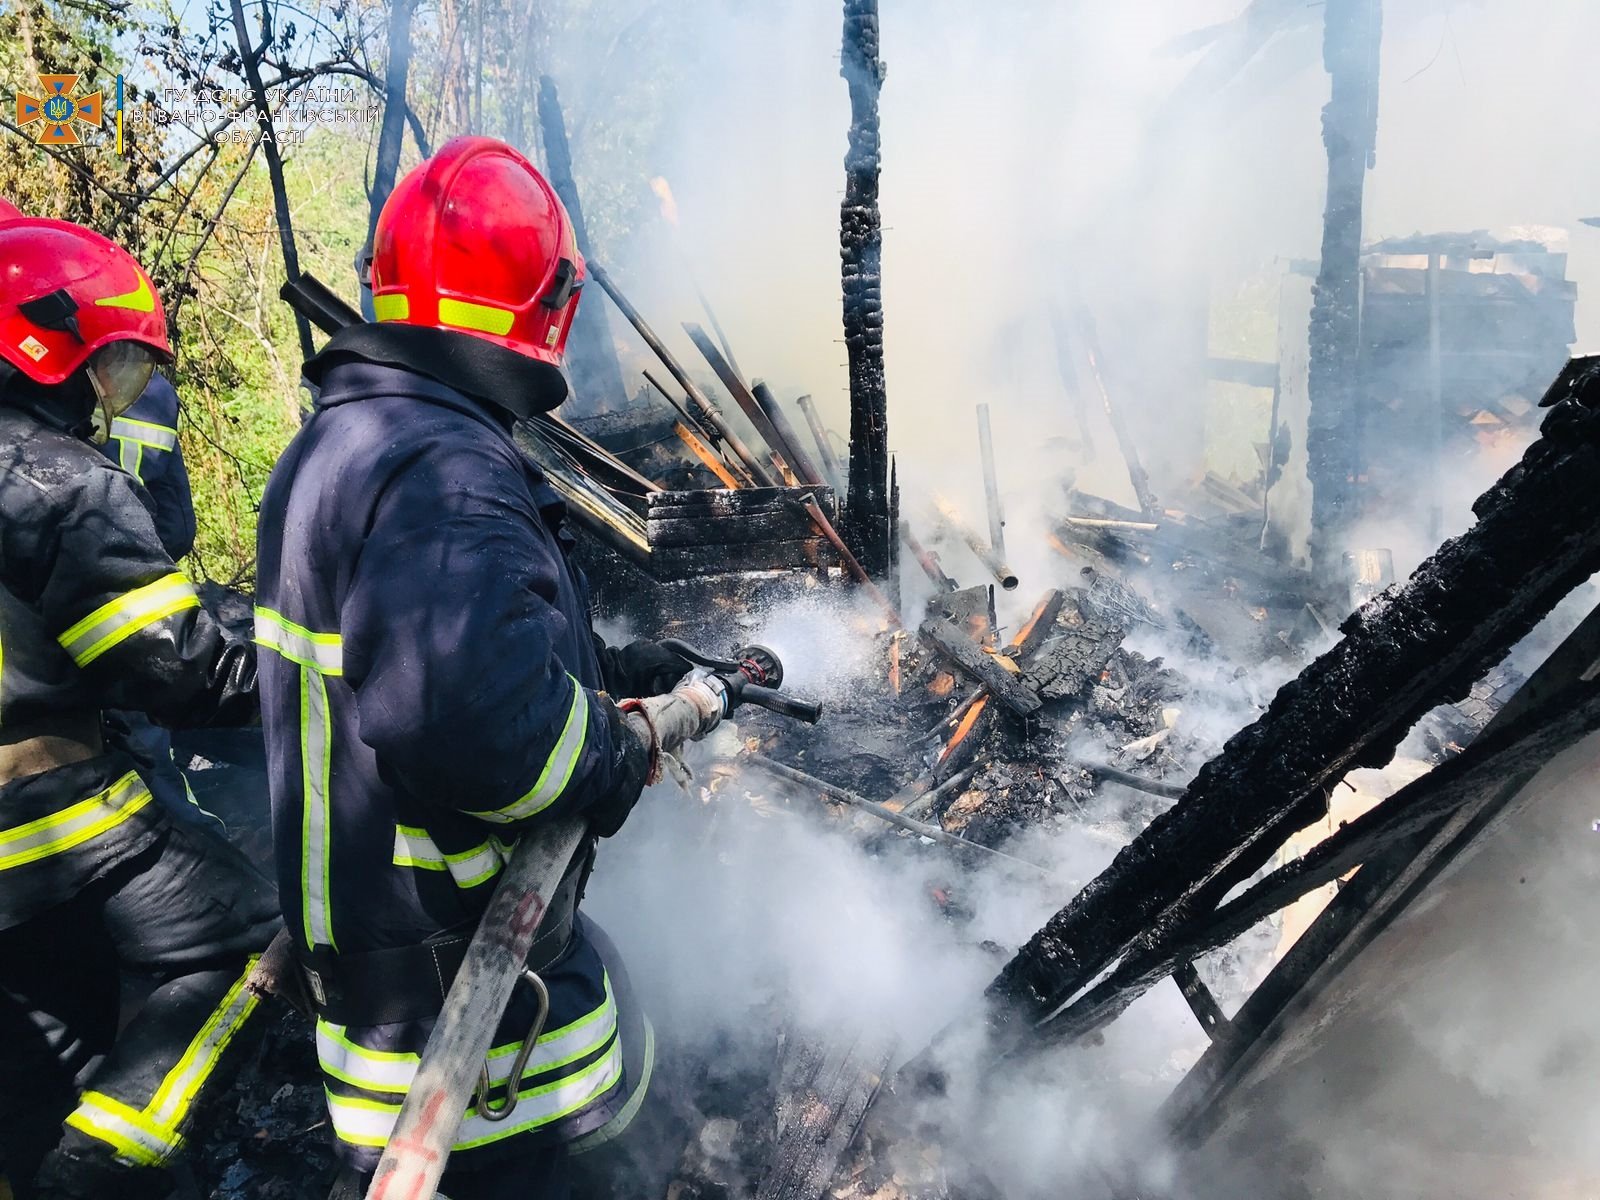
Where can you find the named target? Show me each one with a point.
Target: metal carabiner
(480, 1099)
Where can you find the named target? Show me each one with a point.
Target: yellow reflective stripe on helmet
(558, 767)
(173, 1099)
(119, 619)
(413, 847)
(484, 318)
(362, 1122)
(316, 764)
(74, 825)
(391, 306)
(137, 1140)
(145, 433)
(141, 299)
(322, 652)
(390, 1072)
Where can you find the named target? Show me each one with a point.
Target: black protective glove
(640, 669)
(607, 813)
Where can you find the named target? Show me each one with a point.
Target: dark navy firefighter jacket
(144, 443)
(428, 683)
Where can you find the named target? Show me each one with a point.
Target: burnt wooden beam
(1390, 882)
(1003, 680)
(868, 516)
(824, 1089)
(1507, 759)
(1420, 645)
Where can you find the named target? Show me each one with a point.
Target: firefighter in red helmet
(434, 691)
(96, 882)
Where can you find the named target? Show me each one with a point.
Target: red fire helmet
(66, 293)
(476, 240)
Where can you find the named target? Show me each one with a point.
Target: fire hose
(448, 1076)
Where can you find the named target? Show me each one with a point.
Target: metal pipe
(740, 391)
(808, 504)
(843, 795)
(819, 431)
(1171, 791)
(991, 483)
(708, 410)
(927, 560)
(795, 451)
(1006, 577)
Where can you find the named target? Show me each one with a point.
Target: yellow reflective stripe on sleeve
(618, 1125)
(558, 767)
(316, 760)
(173, 1099)
(361, 1122)
(390, 1072)
(391, 306)
(130, 456)
(413, 847)
(137, 1140)
(320, 651)
(145, 433)
(119, 619)
(74, 825)
(484, 318)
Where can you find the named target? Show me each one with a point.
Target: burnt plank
(781, 526)
(727, 502)
(981, 666)
(825, 1088)
(684, 562)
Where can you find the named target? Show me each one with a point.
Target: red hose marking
(412, 1146)
(529, 912)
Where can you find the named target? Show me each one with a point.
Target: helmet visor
(119, 373)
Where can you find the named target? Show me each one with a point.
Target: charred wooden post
(868, 516)
(1537, 537)
(590, 352)
(1351, 37)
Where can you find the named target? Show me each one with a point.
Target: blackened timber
(1351, 33)
(1492, 765)
(740, 391)
(1154, 787)
(592, 355)
(824, 1088)
(976, 662)
(867, 512)
(1382, 889)
(1417, 646)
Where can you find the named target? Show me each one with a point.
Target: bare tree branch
(250, 59)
